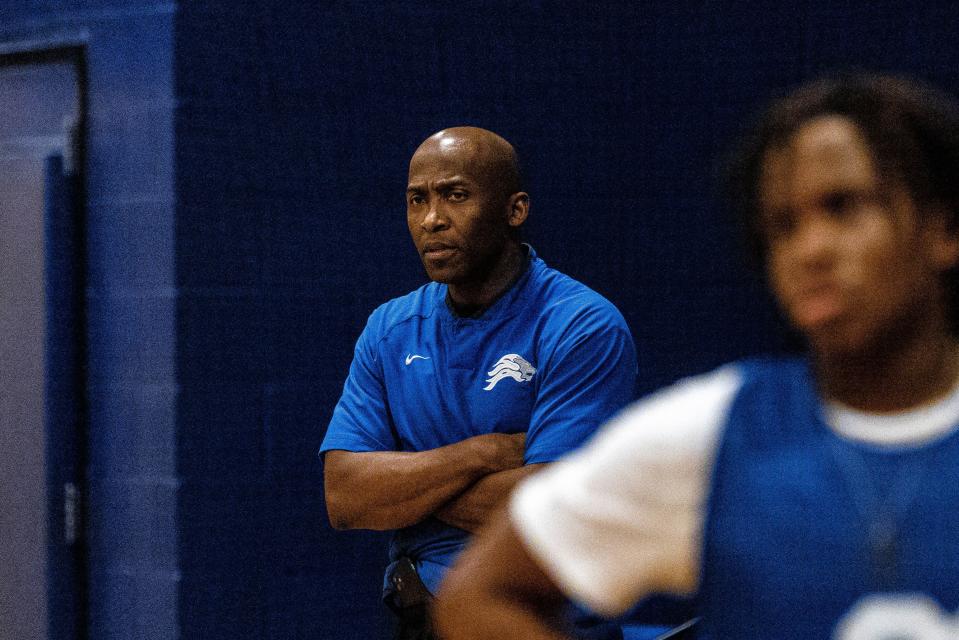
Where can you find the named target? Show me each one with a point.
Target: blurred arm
(497, 590)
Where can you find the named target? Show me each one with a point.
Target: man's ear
(518, 209)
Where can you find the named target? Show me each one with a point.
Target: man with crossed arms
(470, 383)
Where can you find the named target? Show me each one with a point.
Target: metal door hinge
(71, 500)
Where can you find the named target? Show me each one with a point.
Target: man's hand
(471, 509)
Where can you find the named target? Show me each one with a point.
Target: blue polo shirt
(551, 357)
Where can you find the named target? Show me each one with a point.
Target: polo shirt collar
(503, 307)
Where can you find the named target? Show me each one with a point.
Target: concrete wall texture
(244, 213)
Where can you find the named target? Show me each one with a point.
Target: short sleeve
(622, 518)
(361, 419)
(589, 376)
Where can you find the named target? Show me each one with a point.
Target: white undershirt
(912, 427)
(623, 517)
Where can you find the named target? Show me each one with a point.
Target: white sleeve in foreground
(623, 517)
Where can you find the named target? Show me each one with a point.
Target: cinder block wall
(131, 483)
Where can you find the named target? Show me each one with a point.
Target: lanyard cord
(880, 512)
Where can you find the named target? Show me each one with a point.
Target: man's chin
(843, 343)
(442, 275)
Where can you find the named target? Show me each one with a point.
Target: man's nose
(435, 219)
(817, 237)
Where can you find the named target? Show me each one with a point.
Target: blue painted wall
(245, 213)
(295, 126)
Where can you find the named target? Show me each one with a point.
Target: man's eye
(416, 200)
(843, 202)
(457, 196)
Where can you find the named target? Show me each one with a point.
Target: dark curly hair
(912, 131)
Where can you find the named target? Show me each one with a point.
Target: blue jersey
(812, 535)
(786, 516)
(551, 358)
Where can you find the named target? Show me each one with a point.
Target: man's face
(456, 213)
(847, 256)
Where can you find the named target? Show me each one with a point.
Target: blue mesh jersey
(812, 535)
(785, 516)
(551, 357)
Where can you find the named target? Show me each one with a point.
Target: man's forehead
(824, 151)
(421, 182)
(434, 166)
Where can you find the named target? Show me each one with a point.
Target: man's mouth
(438, 250)
(818, 305)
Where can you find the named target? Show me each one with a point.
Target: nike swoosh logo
(410, 358)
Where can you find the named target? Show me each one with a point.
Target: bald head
(486, 154)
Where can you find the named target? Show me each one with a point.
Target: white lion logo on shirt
(511, 365)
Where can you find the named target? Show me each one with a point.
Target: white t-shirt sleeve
(623, 517)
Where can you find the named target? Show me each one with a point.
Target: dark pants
(413, 623)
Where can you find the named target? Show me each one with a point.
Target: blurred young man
(808, 498)
(473, 381)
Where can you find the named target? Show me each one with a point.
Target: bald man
(473, 381)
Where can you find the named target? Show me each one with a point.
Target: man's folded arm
(473, 508)
(392, 489)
